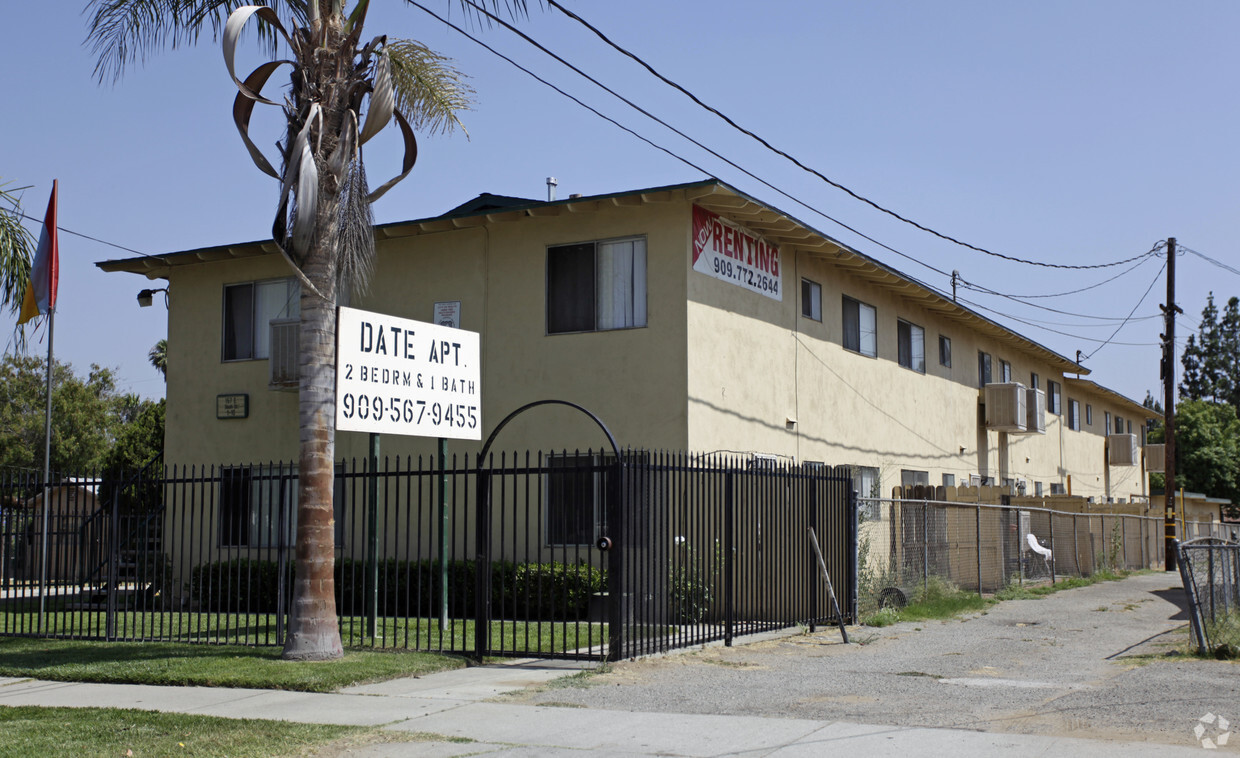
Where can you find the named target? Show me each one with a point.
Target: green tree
(1207, 449)
(85, 414)
(159, 357)
(342, 92)
(16, 251)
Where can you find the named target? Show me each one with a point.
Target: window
(911, 341)
(913, 478)
(248, 312)
(983, 368)
(1074, 414)
(1119, 424)
(1005, 371)
(860, 327)
(1129, 430)
(1106, 426)
(1035, 381)
(1058, 489)
(945, 351)
(811, 299)
(596, 286)
(1054, 402)
(866, 484)
(1037, 489)
(949, 480)
(1089, 415)
(258, 506)
(575, 491)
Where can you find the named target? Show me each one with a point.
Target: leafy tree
(85, 414)
(1207, 444)
(342, 92)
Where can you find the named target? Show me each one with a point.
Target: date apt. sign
(399, 376)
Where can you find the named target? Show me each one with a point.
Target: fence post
(811, 504)
(114, 557)
(729, 547)
(854, 541)
(372, 542)
(978, 515)
(925, 548)
(281, 557)
(1050, 518)
(614, 519)
(482, 565)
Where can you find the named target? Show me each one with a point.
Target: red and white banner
(730, 252)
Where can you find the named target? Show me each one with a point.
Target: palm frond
(124, 32)
(427, 88)
(16, 251)
(355, 236)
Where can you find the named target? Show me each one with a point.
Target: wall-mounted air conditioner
(1035, 408)
(1122, 449)
(1005, 407)
(1156, 457)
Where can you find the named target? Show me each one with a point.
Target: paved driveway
(1098, 662)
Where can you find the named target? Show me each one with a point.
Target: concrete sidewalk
(453, 704)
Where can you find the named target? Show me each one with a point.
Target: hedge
(547, 591)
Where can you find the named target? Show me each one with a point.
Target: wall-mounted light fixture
(145, 297)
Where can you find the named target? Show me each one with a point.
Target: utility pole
(1170, 309)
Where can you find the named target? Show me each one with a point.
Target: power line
(1208, 259)
(84, 236)
(791, 158)
(1138, 264)
(1134, 310)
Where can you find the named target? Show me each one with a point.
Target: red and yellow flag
(40, 296)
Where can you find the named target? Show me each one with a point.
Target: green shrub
(547, 591)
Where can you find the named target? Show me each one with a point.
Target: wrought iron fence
(909, 548)
(1210, 569)
(499, 559)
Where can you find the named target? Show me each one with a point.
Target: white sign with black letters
(400, 376)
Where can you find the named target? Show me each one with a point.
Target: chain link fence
(908, 549)
(1210, 568)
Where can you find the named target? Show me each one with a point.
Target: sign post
(406, 377)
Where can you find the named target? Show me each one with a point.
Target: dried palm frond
(355, 236)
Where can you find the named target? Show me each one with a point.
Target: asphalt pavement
(1086, 671)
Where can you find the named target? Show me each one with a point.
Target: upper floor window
(1005, 371)
(1035, 381)
(945, 351)
(249, 309)
(983, 369)
(911, 345)
(1054, 402)
(596, 286)
(1089, 415)
(811, 299)
(1074, 414)
(1119, 424)
(860, 327)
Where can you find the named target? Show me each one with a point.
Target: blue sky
(1065, 132)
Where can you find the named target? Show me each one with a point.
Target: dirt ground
(1109, 661)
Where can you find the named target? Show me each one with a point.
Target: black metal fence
(1210, 569)
(560, 555)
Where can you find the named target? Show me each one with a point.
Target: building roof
(780, 228)
(1097, 389)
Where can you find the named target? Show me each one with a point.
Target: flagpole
(47, 466)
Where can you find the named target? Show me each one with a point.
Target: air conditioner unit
(1035, 408)
(1122, 449)
(283, 361)
(1156, 457)
(1005, 407)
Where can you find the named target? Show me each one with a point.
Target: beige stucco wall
(632, 379)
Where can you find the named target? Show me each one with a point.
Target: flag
(40, 296)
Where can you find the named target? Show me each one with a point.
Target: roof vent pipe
(551, 183)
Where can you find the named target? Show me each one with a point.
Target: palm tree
(342, 92)
(158, 356)
(16, 250)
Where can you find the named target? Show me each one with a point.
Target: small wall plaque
(236, 405)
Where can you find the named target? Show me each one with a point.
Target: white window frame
(911, 346)
(865, 340)
(260, 312)
(618, 285)
(811, 299)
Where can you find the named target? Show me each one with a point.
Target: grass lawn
(31, 731)
(206, 665)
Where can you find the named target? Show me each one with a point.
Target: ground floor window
(258, 506)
